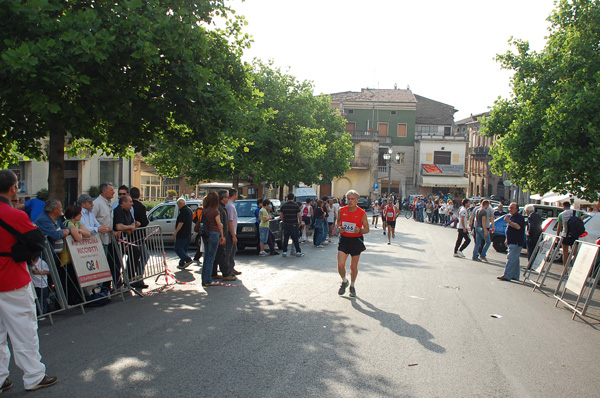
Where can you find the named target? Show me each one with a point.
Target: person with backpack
(196, 219)
(569, 227)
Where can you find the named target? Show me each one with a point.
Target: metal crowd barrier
(130, 258)
(142, 255)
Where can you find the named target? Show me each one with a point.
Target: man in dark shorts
(352, 224)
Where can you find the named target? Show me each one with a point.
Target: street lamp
(388, 158)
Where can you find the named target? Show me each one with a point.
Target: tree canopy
(548, 131)
(117, 76)
(292, 136)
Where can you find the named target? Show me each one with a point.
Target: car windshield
(245, 209)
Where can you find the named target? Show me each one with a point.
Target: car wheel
(499, 245)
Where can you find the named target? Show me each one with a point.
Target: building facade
(378, 120)
(440, 152)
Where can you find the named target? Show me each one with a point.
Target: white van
(302, 193)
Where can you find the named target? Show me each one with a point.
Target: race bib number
(390, 214)
(349, 227)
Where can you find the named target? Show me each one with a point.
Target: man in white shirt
(102, 210)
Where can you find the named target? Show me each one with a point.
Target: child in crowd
(452, 219)
(39, 276)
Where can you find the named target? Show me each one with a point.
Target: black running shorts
(391, 224)
(351, 245)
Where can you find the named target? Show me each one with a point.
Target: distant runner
(352, 224)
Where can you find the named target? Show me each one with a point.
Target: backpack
(305, 211)
(575, 227)
(197, 218)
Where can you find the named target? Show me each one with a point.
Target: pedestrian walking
(183, 234)
(353, 224)
(463, 232)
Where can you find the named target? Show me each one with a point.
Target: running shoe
(284, 254)
(343, 287)
(352, 291)
(263, 254)
(299, 254)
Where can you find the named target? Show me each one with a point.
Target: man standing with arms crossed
(17, 305)
(352, 224)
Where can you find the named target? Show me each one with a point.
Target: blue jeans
(318, 233)
(293, 231)
(210, 251)
(181, 248)
(478, 238)
(512, 262)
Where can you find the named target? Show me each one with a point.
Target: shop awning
(444, 181)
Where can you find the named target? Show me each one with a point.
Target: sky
(442, 50)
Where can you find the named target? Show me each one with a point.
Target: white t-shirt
(336, 209)
(443, 208)
(462, 215)
(40, 281)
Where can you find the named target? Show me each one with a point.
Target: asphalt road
(421, 326)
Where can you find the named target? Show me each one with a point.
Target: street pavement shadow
(396, 324)
(231, 342)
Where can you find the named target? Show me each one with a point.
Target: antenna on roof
(408, 87)
(395, 86)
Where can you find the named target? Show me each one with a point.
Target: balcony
(479, 151)
(368, 135)
(439, 137)
(361, 163)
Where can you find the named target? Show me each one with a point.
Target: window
(108, 171)
(401, 129)
(392, 112)
(447, 131)
(350, 126)
(252, 193)
(441, 157)
(19, 170)
(383, 129)
(166, 212)
(350, 110)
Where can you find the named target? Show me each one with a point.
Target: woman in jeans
(215, 236)
(320, 220)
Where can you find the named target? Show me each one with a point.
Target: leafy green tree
(548, 132)
(293, 136)
(116, 76)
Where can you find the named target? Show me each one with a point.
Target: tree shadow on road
(396, 324)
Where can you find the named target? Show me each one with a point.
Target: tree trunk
(236, 180)
(56, 162)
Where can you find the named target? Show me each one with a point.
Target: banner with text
(89, 261)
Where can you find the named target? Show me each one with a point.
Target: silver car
(165, 215)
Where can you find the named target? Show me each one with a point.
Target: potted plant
(171, 194)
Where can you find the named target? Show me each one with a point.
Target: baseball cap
(84, 198)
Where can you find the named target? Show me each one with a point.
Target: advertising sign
(586, 257)
(89, 261)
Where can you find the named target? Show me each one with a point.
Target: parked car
(247, 229)
(363, 202)
(592, 229)
(165, 215)
(276, 205)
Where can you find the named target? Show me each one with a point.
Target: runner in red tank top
(390, 213)
(353, 224)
